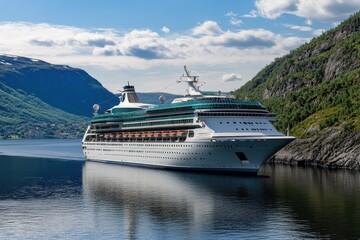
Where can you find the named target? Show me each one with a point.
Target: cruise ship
(201, 131)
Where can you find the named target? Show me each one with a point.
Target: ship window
(220, 122)
(241, 156)
(227, 122)
(191, 133)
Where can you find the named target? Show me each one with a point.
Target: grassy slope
(17, 107)
(69, 89)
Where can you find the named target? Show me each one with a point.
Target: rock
(336, 148)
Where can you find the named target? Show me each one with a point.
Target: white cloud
(252, 14)
(233, 19)
(106, 51)
(322, 10)
(273, 9)
(207, 28)
(110, 50)
(38, 40)
(235, 22)
(60, 42)
(164, 29)
(299, 28)
(231, 77)
(145, 44)
(316, 32)
(231, 14)
(258, 38)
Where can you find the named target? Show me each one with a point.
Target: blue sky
(148, 42)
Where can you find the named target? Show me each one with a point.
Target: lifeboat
(165, 134)
(137, 134)
(131, 134)
(172, 134)
(150, 134)
(106, 135)
(119, 135)
(157, 134)
(125, 135)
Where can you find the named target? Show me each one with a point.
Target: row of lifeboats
(181, 133)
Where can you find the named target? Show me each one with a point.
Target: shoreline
(335, 148)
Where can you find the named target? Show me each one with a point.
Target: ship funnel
(129, 95)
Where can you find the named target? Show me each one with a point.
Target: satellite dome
(162, 99)
(96, 107)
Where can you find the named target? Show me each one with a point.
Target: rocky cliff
(315, 90)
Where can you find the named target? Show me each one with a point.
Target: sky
(147, 42)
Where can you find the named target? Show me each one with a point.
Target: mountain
(60, 86)
(24, 115)
(43, 100)
(18, 107)
(315, 90)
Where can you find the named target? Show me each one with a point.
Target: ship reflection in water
(173, 204)
(177, 201)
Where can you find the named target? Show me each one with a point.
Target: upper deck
(196, 101)
(182, 108)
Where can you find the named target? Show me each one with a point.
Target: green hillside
(60, 86)
(315, 87)
(42, 100)
(19, 107)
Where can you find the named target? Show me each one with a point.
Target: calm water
(48, 191)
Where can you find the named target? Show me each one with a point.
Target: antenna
(188, 74)
(187, 71)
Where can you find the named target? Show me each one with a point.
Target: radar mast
(192, 81)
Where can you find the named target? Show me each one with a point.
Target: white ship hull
(238, 155)
(197, 132)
